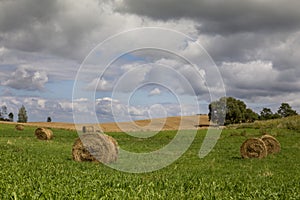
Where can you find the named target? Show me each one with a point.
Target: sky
(120, 60)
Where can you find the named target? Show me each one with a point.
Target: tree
(49, 119)
(217, 111)
(11, 117)
(286, 110)
(266, 114)
(235, 111)
(3, 110)
(250, 115)
(276, 116)
(228, 110)
(22, 115)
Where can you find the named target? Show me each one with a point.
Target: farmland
(33, 169)
(169, 123)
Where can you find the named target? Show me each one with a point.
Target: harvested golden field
(170, 123)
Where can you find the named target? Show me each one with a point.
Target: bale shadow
(236, 158)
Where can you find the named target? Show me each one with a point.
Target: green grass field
(33, 169)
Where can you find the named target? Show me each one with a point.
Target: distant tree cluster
(4, 116)
(228, 110)
(285, 110)
(22, 115)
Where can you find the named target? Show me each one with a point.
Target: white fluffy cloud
(177, 76)
(256, 80)
(38, 109)
(258, 74)
(155, 91)
(26, 78)
(114, 110)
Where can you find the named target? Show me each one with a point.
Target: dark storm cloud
(28, 25)
(234, 30)
(230, 16)
(54, 27)
(19, 14)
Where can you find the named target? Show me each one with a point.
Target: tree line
(22, 115)
(228, 110)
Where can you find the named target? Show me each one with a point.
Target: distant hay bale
(43, 134)
(88, 129)
(253, 148)
(19, 127)
(272, 144)
(95, 147)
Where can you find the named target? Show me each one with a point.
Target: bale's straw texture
(19, 127)
(43, 134)
(95, 147)
(114, 142)
(272, 144)
(88, 129)
(253, 148)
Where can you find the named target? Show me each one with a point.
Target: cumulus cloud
(255, 44)
(221, 16)
(63, 28)
(38, 109)
(155, 91)
(100, 85)
(57, 68)
(26, 79)
(176, 75)
(238, 32)
(109, 109)
(242, 75)
(280, 48)
(259, 82)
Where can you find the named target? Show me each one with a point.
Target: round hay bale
(19, 127)
(114, 142)
(95, 147)
(88, 129)
(272, 144)
(253, 148)
(43, 134)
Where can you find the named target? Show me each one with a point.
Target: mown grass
(32, 169)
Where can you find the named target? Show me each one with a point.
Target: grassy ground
(32, 169)
(291, 123)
